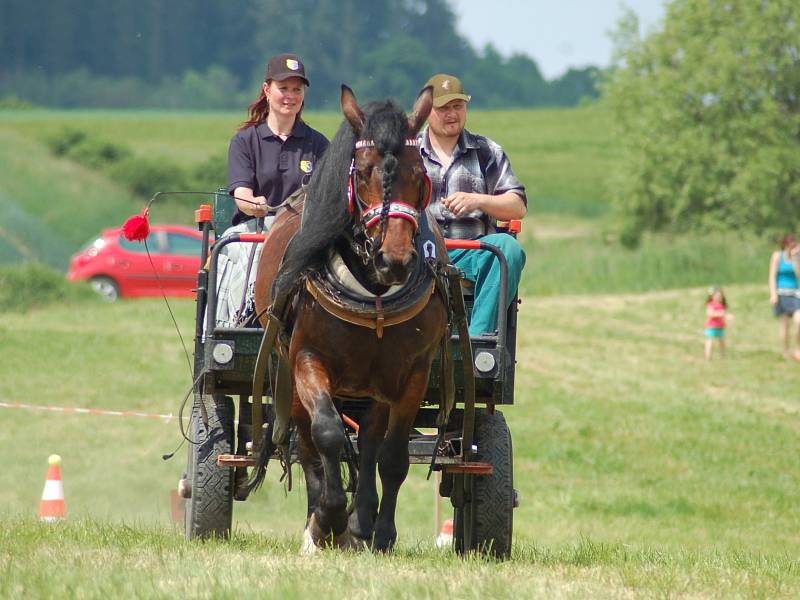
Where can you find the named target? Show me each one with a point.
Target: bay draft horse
(365, 203)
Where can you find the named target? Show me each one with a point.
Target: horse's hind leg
(327, 435)
(365, 504)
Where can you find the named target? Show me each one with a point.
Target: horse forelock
(386, 125)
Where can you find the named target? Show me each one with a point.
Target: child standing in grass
(716, 315)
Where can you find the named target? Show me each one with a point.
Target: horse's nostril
(411, 259)
(380, 260)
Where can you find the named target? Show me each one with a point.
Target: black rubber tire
(106, 287)
(209, 509)
(485, 523)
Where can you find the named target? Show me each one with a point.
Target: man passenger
(473, 187)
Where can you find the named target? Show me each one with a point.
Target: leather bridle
(367, 215)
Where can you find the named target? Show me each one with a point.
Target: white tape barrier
(89, 411)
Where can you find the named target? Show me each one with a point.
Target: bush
(210, 175)
(13, 103)
(146, 176)
(97, 154)
(33, 285)
(62, 142)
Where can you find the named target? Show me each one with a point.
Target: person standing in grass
(784, 292)
(716, 315)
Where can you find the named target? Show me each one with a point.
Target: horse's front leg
(313, 387)
(393, 459)
(309, 457)
(365, 503)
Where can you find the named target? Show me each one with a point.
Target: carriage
(471, 449)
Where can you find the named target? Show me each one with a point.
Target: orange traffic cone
(52, 507)
(445, 537)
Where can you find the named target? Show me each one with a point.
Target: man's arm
(502, 207)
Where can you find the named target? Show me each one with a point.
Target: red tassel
(137, 227)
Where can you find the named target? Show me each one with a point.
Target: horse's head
(389, 188)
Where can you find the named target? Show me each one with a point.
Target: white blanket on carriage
(235, 290)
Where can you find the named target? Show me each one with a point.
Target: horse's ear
(351, 110)
(421, 110)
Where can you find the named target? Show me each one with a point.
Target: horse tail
(267, 449)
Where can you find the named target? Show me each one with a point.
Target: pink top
(715, 322)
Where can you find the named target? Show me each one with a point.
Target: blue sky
(557, 34)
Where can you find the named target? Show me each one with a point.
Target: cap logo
(292, 64)
(446, 84)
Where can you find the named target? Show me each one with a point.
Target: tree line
(212, 53)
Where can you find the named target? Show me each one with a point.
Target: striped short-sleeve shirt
(464, 175)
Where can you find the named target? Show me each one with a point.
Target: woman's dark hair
(714, 290)
(258, 110)
(786, 241)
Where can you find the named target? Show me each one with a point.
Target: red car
(118, 268)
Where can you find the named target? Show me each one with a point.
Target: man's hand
(463, 203)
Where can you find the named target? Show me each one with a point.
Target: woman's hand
(257, 207)
(773, 299)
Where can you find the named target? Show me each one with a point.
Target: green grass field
(643, 470)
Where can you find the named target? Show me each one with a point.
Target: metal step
(420, 451)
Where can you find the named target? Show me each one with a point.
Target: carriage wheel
(485, 521)
(209, 509)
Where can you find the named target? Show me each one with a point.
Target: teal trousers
(483, 268)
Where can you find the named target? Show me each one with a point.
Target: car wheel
(106, 287)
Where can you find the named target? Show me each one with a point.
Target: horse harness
(336, 293)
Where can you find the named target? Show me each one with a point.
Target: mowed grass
(93, 560)
(642, 469)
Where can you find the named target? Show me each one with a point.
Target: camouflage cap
(446, 88)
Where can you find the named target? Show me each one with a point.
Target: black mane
(325, 215)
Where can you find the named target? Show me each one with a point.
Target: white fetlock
(307, 547)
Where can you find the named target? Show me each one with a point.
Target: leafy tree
(394, 70)
(708, 112)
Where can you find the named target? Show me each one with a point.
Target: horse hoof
(348, 541)
(359, 544)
